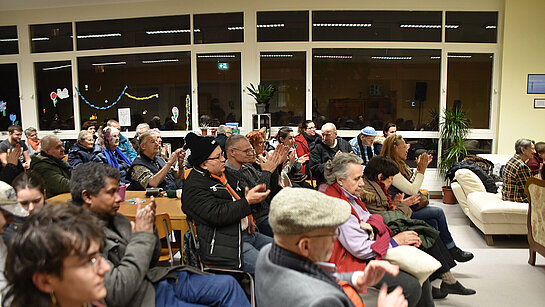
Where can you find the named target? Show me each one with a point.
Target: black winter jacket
(217, 217)
(321, 153)
(488, 182)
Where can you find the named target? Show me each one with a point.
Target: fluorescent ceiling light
(197, 30)
(392, 57)
(332, 56)
(277, 55)
(99, 35)
(216, 56)
(56, 67)
(160, 61)
(8, 39)
(352, 25)
(109, 63)
(491, 27)
(168, 31)
(40, 38)
(452, 26)
(274, 25)
(235, 28)
(435, 57)
(460, 56)
(421, 26)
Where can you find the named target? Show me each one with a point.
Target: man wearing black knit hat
(222, 213)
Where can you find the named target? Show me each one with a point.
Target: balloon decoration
(187, 111)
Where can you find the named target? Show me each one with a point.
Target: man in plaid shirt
(516, 172)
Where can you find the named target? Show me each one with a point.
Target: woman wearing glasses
(355, 246)
(55, 260)
(305, 141)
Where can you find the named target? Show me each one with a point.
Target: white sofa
(488, 211)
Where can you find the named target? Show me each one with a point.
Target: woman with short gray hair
(32, 140)
(83, 150)
(339, 166)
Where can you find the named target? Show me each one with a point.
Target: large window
(153, 87)
(286, 71)
(219, 84)
(282, 26)
(9, 44)
(218, 28)
(405, 26)
(51, 37)
(54, 95)
(471, 27)
(354, 88)
(470, 86)
(134, 32)
(10, 107)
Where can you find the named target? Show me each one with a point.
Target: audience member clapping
(15, 133)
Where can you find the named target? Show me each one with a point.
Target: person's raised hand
(14, 154)
(393, 299)
(374, 271)
(303, 159)
(257, 194)
(278, 156)
(412, 200)
(408, 238)
(145, 216)
(174, 156)
(422, 162)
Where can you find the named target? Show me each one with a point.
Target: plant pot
(260, 108)
(448, 196)
(204, 131)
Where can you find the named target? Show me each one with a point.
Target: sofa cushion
(489, 208)
(469, 181)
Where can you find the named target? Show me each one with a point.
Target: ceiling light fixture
(160, 61)
(332, 56)
(8, 39)
(168, 31)
(235, 28)
(56, 67)
(353, 25)
(197, 30)
(216, 56)
(435, 57)
(274, 25)
(109, 63)
(40, 38)
(99, 35)
(277, 55)
(491, 27)
(421, 26)
(460, 56)
(392, 57)
(452, 26)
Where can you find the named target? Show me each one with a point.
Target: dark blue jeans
(435, 216)
(251, 245)
(200, 290)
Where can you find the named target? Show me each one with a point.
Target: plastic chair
(245, 279)
(164, 230)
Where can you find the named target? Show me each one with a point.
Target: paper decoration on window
(142, 98)
(124, 116)
(93, 117)
(102, 108)
(3, 106)
(145, 112)
(187, 111)
(62, 94)
(13, 119)
(53, 97)
(175, 113)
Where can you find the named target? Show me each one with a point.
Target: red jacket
(302, 148)
(534, 163)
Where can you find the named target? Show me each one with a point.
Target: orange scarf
(33, 144)
(223, 180)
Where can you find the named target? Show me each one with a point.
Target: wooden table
(172, 206)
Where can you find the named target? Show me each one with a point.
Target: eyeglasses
(334, 235)
(249, 151)
(218, 157)
(95, 261)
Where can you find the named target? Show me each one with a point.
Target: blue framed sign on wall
(536, 84)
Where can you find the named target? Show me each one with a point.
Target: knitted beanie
(201, 148)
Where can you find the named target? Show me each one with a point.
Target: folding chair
(246, 280)
(164, 230)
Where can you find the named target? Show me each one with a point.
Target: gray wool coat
(278, 286)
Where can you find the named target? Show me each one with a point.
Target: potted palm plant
(454, 129)
(262, 95)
